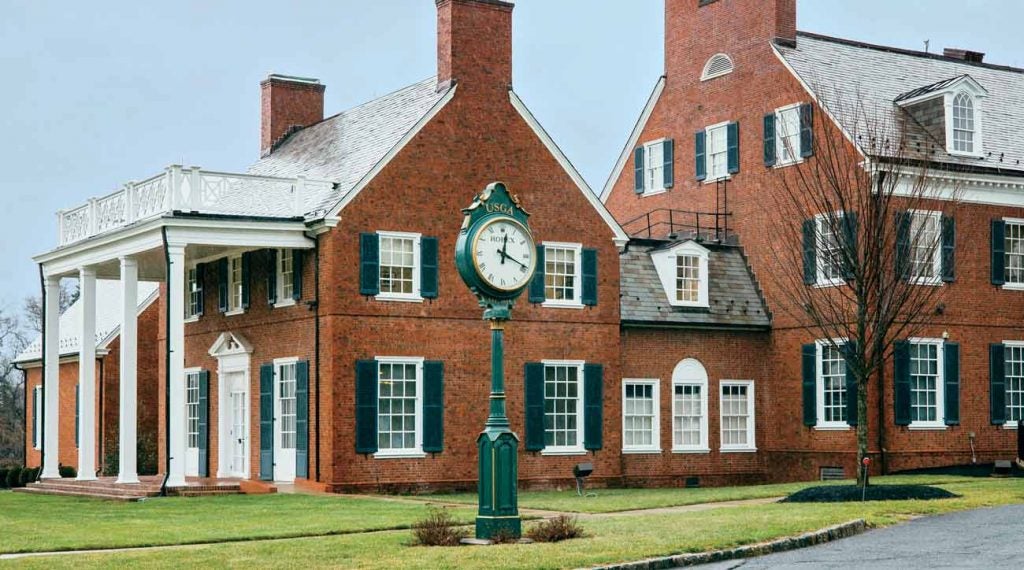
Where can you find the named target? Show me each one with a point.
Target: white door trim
(284, 461)
(233, 356)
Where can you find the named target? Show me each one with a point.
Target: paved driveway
(987, 538)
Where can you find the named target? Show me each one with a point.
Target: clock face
(504, 254)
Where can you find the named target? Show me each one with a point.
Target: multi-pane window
(1014, 384)
(718, 152)
(737, 410)
(397, 265)
(787, 135)
(562, 274)
(563, 406)
(397, 405)
(286, 397)
(654, 167)
(192, 409)
(1015, 253)
(925, 248)
(925, 382)
(832, 384)
(285, 283)
(963, 123)
(829, 253)
(639, 415)
(194, 290)
(688, 278)
(235, 283)
(688, 416)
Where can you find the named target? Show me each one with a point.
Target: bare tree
(34, 305)
(12, 403)
(870, 264)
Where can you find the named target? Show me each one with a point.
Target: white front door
(238, 443)
(284, 423)
(192, 424)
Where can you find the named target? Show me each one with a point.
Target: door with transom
(238, 443)
(284, 421)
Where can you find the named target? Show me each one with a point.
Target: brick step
(207, 493)
(88, 495)
(88, 488)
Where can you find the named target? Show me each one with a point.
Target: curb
(822, 536)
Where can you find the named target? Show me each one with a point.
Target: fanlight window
(719, 65)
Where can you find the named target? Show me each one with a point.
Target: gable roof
(834, 69)
(733, 293)
(108, 319)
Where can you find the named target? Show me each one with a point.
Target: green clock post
(496, 257)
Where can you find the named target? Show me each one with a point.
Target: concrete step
(89, 495)
(84, 488)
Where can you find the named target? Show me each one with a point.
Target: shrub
(14, 478)
(28, 475)
(146, 449)
(438, 529)
(848, 493)
(67, 471)
(504, 536)
(3, 478)
(562, 527)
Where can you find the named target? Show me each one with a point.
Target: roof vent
(965, 55)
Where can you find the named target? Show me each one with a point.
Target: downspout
(167, 368)
(42, 381)
(316, 349)
(102, 424)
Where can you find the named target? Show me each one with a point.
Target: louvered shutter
(701, 155)
(266, 422)
(428, 268)
(536, 294)
(589, 272)
(297, 274)
(849, 354)
(669, 163)
(806, 130)
(246, 279)
(903, 245)
(638, 170)
(997, 383)
(369, 264)
(78, 414)
(271, 276)
(302, 419)
(732, 132)
(951, 375)
(998, 252)
(851, 255)
(534, 406)
(948, 249)
(222, 284)
(810, 247)
(593, 406)
(901, 381)
(769, 140)
(433, 407)
(366, 406)
(809, 369)
(204, 423)
(200, 290)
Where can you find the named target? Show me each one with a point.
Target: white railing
(180, 189)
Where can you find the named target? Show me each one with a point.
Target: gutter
(167, 369)
(693, 326)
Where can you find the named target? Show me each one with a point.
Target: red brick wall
(67, 450)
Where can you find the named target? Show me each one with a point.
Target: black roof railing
(669, 223)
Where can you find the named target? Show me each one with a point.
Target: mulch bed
(849, 493)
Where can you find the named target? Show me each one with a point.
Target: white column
(51, 379)
(176, 364)
(87, 376)
(128, 397)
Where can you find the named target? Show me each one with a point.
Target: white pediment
(228, 344)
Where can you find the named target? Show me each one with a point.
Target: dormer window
(950, 111)
(683, 272)
(963, 123)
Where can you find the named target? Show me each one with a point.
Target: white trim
(936, 279)
(751, 445)
(819, 386)
(654, 190)
(970, 188)
(577, 449)
(1010, 424)
(620, 237)
(821, 282)
(797, 157)
(286, 301)
(634, 139)
(705, 75)
(577, 301)
(416, 295)
(949, 103)
(655, 446)
(666, 265)
(940, 386)
(691, 372)
(229, 362)
(710, 178)
(417, 451)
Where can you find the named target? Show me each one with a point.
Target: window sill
(561, 305)
(839, 427)
(697, 305)
(1013, 286)
(1008, 425)
(695, 451)
(399, 455)
(558, 452)
(642, 451)
(928, 427)
(282, 304)
(722, 178)
(738, 450)
(648, 193)
(965, 154)
(399, 299)
(790, 163)
(930, 282)
(830, 283)
(193, 319)
(234, 312)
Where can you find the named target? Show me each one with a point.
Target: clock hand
(504, 250)
(505, 256)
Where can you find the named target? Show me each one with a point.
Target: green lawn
(613, 500)
(34, 523)
(611, 539)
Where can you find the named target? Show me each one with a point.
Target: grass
(36, 523)
(610, 539)
(615, 500)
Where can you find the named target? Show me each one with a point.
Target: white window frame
(577, 449)
(1012, 285)
(751, 445)
(708, 158)
(577, 301)
(707, 75)
(279, 364)
(649, 189)
(665, 263)
(976, 102)
(780, 136)
(690, 372)
(821, 280)
(936, 279)
(819, 380)
(416, 295)
(235, 308)
(655, 446)
(37, 415)
(192, 281)
(1010, 423)
(191, 373)
(940, 387)
(282, 299)
(417, 451)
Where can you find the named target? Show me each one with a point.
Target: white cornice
(634, 138)
(969, 188)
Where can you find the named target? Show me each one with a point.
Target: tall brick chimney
(474, 43)
(288, 103)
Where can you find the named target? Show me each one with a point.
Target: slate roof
(733, 293)
(108, 319)
(345, 148)
(841, 69)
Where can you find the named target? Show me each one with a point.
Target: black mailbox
(582, 470)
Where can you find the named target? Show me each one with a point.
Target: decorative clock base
(499, 512)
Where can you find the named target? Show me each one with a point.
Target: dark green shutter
(369, 264)
(901, 380)
(948, 249)
(806, 130)
(810, 252)
(200, 300)
(951, 374)
(638, 170)
(537, 283)
(271, 276)
(769, 140)
(302, 419)
(903, 245)
(701, 155)
(589, 293)
(78, 414)
(266, 422)
(428, 267)
(366, 406)
(296, 274)
(534, 406)
(732, 131)
(593, 406)
(222, 284)
(850, 250)
(433, 407)
(849, 354)
(997, 383)
(998, 252)
(246, 279)
(669, 163)
(204, 423)
(809, 367)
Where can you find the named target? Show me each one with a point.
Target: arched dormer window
(719, 65)
(690, 407)
(963, 123)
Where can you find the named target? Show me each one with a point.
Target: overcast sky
(98, 93)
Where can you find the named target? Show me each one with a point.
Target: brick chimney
(964, 54)
(474, 43)
(288, 104)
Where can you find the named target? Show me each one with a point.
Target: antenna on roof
(927, 44)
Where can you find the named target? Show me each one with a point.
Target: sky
(99, 93)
